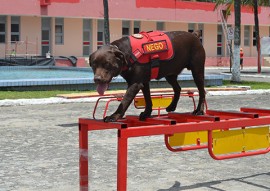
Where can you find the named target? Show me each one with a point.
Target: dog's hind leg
(148, 102)
(172, 80)
(198, 76)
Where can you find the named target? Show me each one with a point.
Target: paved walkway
(39, 152)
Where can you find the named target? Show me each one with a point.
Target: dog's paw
(111, 118)
(196, 112)
(108, 119)
(143, 116)
(171, 108)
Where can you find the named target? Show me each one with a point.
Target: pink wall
(169, 10)
(225, 61)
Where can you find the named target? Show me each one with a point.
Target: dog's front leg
(148, 102)
(126, 101)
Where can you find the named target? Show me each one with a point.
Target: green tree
(257, 33)
(237, 34)
(237, 42)
(106, 22)
(254, 4)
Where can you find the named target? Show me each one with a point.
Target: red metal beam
(193, 127)
(256, 110)
(232, 114)
(93, 124)
(190, 117)
(152, 121)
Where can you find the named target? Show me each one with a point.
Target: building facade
(75, 27)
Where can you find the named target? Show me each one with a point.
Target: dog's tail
(197, 33)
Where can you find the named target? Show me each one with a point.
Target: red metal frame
(160, 94)
(166, 125)
(109, 100)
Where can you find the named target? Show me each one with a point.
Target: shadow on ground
(211, 184)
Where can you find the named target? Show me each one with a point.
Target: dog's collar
(114, 46)
(124, 68)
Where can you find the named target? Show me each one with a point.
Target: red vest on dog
(151, 47)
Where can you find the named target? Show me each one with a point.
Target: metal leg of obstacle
(83, 144)
(122, 157)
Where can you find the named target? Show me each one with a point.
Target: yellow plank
(182, 139)
(158, 102)
(235, 141)
(161, 102)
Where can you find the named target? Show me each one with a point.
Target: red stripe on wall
(246, 9)
(178, 4)
(65, 1)
(174, 4)
(86, 43)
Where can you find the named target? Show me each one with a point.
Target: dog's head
(107, 62)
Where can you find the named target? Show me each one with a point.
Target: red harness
(151, 47)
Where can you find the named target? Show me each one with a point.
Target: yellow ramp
(183, 139)
(240, 140)
(158, 102)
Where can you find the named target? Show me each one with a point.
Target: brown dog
(112, 60)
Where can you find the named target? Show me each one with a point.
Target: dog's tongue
(101, 88)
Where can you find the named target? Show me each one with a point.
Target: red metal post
(122, 162)
(83, 143)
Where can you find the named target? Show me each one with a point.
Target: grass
(47, 94)
(33, 94)
(253, 85)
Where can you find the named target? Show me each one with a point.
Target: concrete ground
(39, 151)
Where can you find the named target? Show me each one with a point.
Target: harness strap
(150, 47)
(154, 66)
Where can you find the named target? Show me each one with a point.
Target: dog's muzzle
(97, 79)
(101, 85)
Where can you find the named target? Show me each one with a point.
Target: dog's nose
(97, 78)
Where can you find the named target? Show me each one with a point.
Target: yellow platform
(241, 140)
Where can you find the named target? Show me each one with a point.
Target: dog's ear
(89, 61)
(120, 55)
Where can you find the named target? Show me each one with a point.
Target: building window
(160, 26)
(136, 28)
(3, 20)
(87, 37)
(125, 28)
(219, 41)
(59, 31)
(254, 37)
(100, 34)
(15, 29)
(246, 35)
(191, 27)
(200, 28)
(45, 35)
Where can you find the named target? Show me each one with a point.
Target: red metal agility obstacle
(225, 134)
